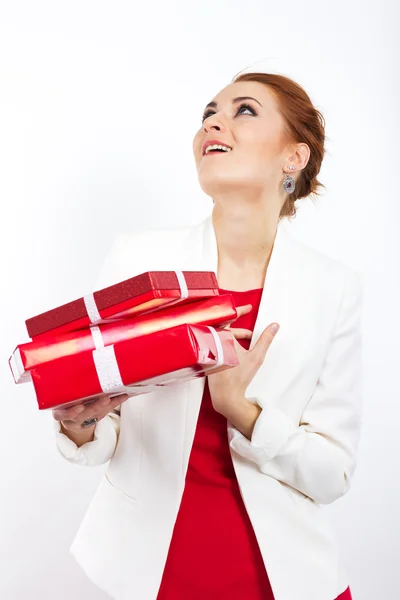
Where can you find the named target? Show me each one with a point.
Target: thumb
(265, 340)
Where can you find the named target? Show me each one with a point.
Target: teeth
(217, 147)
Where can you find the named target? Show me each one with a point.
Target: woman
(214, 487)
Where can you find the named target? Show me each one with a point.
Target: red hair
(305, 124)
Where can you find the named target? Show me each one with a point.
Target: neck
(245, 234)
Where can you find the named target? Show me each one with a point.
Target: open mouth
(217, 149)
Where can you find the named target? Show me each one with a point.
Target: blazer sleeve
(106, 432)
(318, 456)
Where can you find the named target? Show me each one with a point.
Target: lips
(212, 143)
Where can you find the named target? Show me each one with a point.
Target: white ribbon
(106, 363)
(91, 308)
(107, 369)
(182, 284)
(97, 337)
(218, 344)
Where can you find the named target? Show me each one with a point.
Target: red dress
(214, 552)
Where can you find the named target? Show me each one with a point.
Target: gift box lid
(143, 293)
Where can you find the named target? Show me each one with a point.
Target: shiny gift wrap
(138, 295)
(218, 311)
(137, 366)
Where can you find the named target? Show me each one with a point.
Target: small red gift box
(138, 295)
(218, 311)
(135, 366)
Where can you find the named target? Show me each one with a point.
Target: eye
(242, 107)
(207, 114)
(246, 107)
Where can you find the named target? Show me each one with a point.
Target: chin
(215, 186)
(220, 183)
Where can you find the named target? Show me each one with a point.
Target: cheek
(258, 139)
(261, 156)
(267, 150)
(197, 141)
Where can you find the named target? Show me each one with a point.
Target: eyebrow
(238, 99)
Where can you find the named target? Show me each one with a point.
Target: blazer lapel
(276, 296)
(275, 306)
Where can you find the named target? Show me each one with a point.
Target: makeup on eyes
(243, 105)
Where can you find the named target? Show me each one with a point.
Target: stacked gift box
(152, 330)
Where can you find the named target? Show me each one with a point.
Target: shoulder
(326, 282)
(156, 238)
(134, 252)
(328, 269)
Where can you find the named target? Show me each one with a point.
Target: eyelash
(209, 112)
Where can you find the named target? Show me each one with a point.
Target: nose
(214, 122)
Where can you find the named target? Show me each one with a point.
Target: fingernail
(274, 327)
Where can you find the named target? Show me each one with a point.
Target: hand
(72, 417)
(228, 388)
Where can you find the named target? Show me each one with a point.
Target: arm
(317, 457)
(94, 452)
(79, 437)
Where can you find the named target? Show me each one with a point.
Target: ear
(299, 155)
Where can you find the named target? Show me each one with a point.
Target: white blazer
(303, 447)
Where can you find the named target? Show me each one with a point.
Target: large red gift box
(140, 294)
(218, 311)
(135, 366)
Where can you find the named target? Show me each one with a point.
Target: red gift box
(131, 366)
(218, 311)
(138, 295)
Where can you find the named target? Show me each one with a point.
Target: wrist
(80, 437)
(76, 428)
(243, 416)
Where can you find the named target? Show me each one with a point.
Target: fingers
(71, 412)
(99, 410)
(98, 407)
(264, 341)
(268, 334)
(242, 334)
(243, 310)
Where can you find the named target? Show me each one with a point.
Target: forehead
(259, 91)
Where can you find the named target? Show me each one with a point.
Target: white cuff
(271, 432)
(94, 453)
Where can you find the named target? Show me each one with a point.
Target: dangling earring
(289, 184)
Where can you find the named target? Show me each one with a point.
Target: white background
(98, 105)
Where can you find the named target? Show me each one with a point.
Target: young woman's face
(244, 116)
